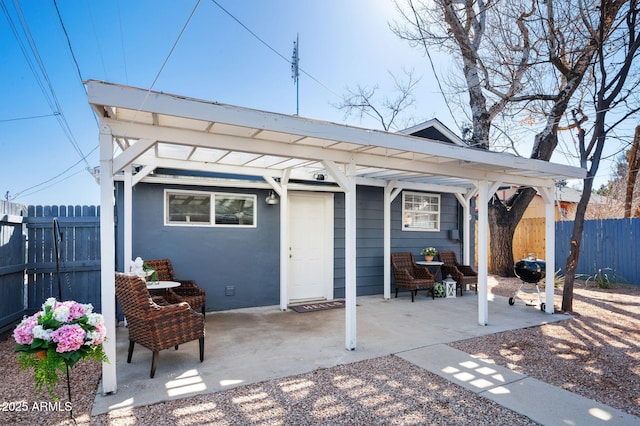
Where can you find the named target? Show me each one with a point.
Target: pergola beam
(188, 137)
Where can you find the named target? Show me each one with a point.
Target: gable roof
(434, 129)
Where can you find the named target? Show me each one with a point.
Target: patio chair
(411, 276)
(188, 291)
(154, 326)
(462, 274)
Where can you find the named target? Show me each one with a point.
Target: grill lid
(530, 270)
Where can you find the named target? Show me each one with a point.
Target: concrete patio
(246, 346)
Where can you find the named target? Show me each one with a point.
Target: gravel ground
(596, 354)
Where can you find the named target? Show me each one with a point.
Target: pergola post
(128, 218)
(465, 201)
(485, 191)
(483, 252)
(389, 195)
(284, 247)
(350, 258)
(548, 195)
(107, 256)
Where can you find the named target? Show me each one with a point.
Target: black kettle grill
(531, 271)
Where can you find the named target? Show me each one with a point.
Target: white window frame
(212, 206)
(406, 212)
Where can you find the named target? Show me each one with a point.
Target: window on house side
(235, 209)
(198, 208)
(420, 211)
(183, 208)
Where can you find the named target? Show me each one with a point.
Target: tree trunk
(503, 221)
(574, 248)
(634, 163)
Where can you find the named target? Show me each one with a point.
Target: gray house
(262, 208)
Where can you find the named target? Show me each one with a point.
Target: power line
(49, 95)
(51, 179)
(164, 64)
(166, 60)
(124, 56)
(66, 34)
(267, 45)
(73, 56)
(287, 60)
(48, 186)
(28, 118)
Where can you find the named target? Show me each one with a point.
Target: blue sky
(342, 44)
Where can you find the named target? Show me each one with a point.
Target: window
(232, 209)
(198, 208)
(420, 212)
(183, 208)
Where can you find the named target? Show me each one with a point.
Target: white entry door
(310, 246)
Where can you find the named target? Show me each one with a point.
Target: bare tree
(519, 59)
(362, 100)
(614, 84)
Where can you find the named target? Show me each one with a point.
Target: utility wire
(19, 193)
(50, 95)
(166, 60)
(66, 34)
(124, 56)
(164, 64)
(48, 186)
(73, 55)
(28, 118)
(287, 60)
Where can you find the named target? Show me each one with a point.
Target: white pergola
(141, 131)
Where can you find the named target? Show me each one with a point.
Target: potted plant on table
(429, 253)
(56, 338)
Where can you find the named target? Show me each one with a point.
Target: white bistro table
(162, 285)
(157, 285)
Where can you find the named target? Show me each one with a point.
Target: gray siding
(215, 257)
(450, 219)
(370, 237)
(248, 259)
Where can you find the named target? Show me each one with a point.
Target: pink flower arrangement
(57, 337)
(68, 337)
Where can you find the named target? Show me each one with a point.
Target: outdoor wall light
(272, 199)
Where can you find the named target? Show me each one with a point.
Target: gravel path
(596, 354)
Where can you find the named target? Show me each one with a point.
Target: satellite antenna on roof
(295, 74)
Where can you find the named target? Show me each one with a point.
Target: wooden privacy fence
(610, 245)
(79, 264)
(28, 269)
(528, 238)
(12, 265)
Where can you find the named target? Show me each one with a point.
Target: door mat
(322, 306)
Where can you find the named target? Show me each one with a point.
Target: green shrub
(439, 290)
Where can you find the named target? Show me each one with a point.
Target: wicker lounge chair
(188, 291)
(411, 276)
(462, 274)
(154, 326)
